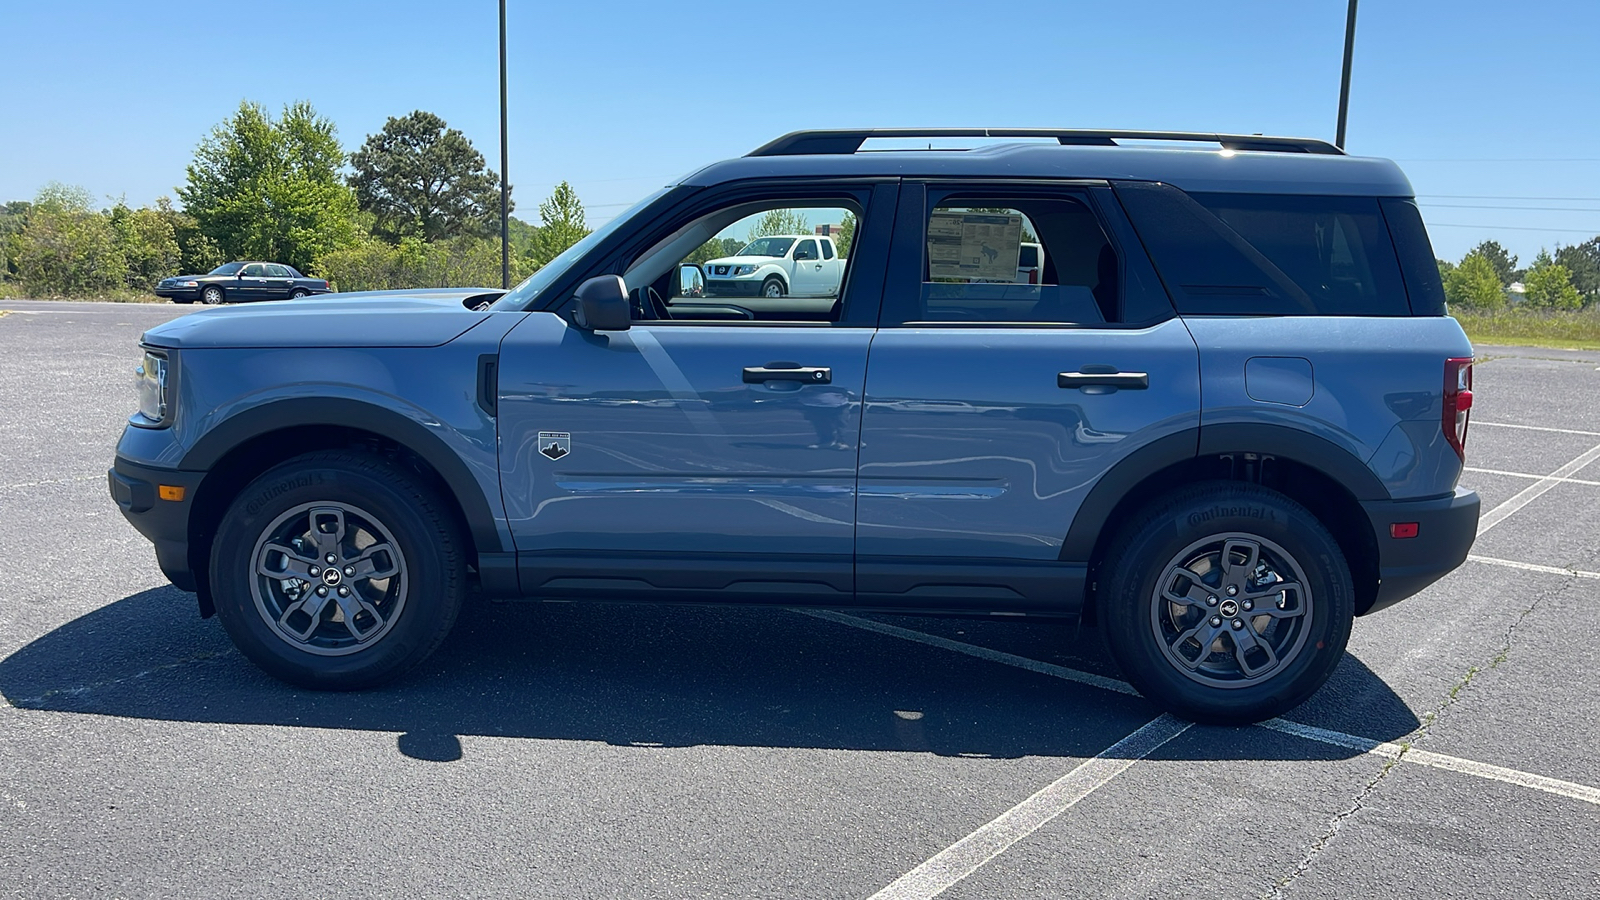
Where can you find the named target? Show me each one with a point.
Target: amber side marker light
(171, 491)
(1403, 530)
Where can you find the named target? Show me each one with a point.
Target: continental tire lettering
(1233, 512)
(280, 488)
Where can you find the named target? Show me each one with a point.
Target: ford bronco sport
(1227, 419)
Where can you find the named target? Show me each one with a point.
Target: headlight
(191, 284)
(745, 270)
(150, 382)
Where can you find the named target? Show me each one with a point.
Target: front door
(809, 280)
(994, 407)
(251, 283)
(711, 455)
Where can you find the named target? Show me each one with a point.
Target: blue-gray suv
(1199, 388)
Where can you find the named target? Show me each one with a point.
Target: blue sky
(1479, 102)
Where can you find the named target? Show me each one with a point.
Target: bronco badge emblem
(555, 444)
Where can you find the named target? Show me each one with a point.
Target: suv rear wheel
(337, 571)
(1227, 602)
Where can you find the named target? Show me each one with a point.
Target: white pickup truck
(783, 265)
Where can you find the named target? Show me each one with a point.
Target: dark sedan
(239, 282)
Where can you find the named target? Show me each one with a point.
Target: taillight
(1457, 403)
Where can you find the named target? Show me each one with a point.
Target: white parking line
(1410, 754)
(74, 480)
(1476, 423)
(1533, 567)
(967, 855)
(1528, 475)
(1534, 491)
(1311, 732)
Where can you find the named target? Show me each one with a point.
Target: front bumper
(178, 293)
(745, 286)
(137, 492)
(1446, 528)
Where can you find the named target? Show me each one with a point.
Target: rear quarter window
(1270, 254)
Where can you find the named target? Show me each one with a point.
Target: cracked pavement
(601, 751)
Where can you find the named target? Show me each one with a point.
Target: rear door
(992, 407)
(709, 455)
(280, 282)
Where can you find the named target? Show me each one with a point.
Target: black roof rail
(846, 140)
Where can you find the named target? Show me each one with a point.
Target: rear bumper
(136, 490)
(1446, 528)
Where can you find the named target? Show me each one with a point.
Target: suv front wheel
(337, 570)
(1227, 602)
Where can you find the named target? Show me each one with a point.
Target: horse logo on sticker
(555, 444)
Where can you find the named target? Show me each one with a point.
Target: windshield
(767, 247)
(227, 269)
(529, 290)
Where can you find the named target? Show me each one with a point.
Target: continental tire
(338, 570)
(1226, 602)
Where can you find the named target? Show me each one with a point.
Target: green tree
(522, 236)
(148, 245)
(1583, 262)
(779, 221)
(1474, 283)
(13, 218)
(413, 263)
(1504, 264)
(421, 178)
(560, 224)
(846, 234)
(268, 188)
(67, 248)
(1548, 285)
(197, 253)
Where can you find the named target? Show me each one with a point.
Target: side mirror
(603, 304)
(690, 281)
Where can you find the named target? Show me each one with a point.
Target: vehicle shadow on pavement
(645, 675)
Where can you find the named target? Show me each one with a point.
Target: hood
(332, 320)
(742, 261)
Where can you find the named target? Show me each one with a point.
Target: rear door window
(974, 248)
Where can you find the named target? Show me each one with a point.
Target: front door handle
(783, 371)
(1128, 381)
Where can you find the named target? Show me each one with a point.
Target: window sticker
(967, 246)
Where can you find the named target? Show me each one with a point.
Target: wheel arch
(247, 444)
(1327, 479)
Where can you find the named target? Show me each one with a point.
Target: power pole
(506, 181)
(1344, 82)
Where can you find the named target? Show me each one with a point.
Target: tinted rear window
(1270, 254)
(1417, 263)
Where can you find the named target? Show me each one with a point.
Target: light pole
(506, 183)
(1344, 81)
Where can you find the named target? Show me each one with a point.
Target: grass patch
(1579, 330)
(10, 292)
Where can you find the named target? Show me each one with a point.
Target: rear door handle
(782, 371)
(1129, 381)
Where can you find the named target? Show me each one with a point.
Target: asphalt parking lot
(612, 751)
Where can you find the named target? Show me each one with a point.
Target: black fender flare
(348, 413)
(1279, 441)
